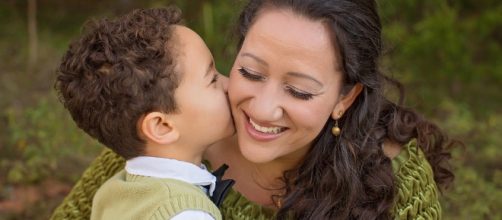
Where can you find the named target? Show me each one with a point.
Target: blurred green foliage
(42, 140)
(447, 53)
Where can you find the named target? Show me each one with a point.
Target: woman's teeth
(267, 130)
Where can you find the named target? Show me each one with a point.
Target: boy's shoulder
(132, 195)
(144, 185)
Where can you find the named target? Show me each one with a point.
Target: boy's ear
(158, 128)
(346, 101)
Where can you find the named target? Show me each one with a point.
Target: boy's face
(204, 116)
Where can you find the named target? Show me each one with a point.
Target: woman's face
(284, 85)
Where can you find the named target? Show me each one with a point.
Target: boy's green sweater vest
(127, 196)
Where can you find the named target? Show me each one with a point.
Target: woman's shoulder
(410, 157)
(391, 149)
(417, 193)
(77, 204)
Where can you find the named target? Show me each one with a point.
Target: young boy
(147, 88)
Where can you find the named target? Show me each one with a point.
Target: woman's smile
(262, 131)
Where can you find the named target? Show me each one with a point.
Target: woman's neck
(255, 181)
(271, 173)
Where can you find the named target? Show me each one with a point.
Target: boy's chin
(230, 136)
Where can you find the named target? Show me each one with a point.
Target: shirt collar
(174, 169)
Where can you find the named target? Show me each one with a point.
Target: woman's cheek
(312, 116)
(239, 89)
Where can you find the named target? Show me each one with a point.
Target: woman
(316, 138)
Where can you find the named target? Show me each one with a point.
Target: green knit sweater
(417, 195)
(128, 196)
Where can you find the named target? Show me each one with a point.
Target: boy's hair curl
(117, 71)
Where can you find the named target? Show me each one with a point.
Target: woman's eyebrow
(294, 74)
(259, 60)
(305, 76)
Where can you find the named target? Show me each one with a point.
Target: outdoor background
(448, 53)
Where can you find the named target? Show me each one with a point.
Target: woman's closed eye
(297, 93)
(291, 90)
(251, 76)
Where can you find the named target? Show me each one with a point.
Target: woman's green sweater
(417, 194)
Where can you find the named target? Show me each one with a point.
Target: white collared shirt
(179, 170)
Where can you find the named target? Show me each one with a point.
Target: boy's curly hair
(116, 72)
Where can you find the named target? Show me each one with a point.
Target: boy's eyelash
(215, 79)
(246, 74)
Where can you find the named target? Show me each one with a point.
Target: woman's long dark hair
(349, 177)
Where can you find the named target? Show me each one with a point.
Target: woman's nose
(266, 105)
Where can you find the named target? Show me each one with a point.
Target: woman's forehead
(288, 27)
(282, 36)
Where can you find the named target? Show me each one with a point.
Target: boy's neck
(176, 152)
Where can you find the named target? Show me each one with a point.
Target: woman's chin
(254, 155)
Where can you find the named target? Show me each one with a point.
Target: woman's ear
(159, 129)
(346, 101)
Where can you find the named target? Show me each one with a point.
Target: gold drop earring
(336, 130)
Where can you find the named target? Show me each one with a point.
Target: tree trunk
(32, 35)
